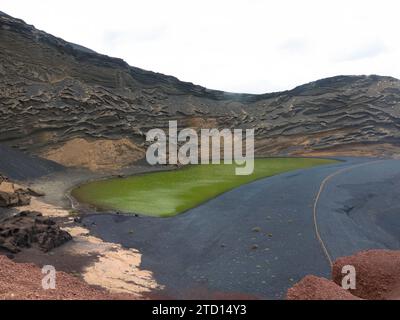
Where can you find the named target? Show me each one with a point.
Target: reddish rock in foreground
(377, 278)
(377, 273)
(24, 282)
(316, 288)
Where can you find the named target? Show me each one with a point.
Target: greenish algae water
(168, 193)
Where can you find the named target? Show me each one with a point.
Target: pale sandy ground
(96, 154)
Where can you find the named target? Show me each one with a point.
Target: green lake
(168, 193)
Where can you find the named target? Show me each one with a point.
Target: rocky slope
(54, 93)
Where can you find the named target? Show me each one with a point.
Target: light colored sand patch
(46, 209)
(116, 269)
(9, 187)
(97, 154)
(201, 123)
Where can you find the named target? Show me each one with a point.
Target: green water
(164, 194)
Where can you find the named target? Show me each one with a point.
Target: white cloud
(367, 50)
(247, 46)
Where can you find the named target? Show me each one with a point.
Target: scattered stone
(30, 228)
(78, 219)
(254, 247)
(15, 199)
(11, 194)
(35, 193)
(256, 229)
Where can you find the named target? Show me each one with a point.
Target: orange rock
(23, 281)
(316, 288)
(377, 273)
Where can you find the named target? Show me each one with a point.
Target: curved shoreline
(220, 245)
(99, 263)
(200, 230)
(75, 204)
(88, 207)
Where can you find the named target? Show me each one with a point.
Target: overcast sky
(253, 46)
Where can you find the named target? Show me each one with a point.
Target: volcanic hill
(70, 104)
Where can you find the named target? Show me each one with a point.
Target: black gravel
(18, 165)
(259, 238)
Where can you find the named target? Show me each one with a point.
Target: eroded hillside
(54, 93)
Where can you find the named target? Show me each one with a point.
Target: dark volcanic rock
(15, 199)
(30, 228)
(52, 91)
(12, 195)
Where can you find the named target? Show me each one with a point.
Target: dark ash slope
(18, 165)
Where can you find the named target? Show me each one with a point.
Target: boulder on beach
(29, 228)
